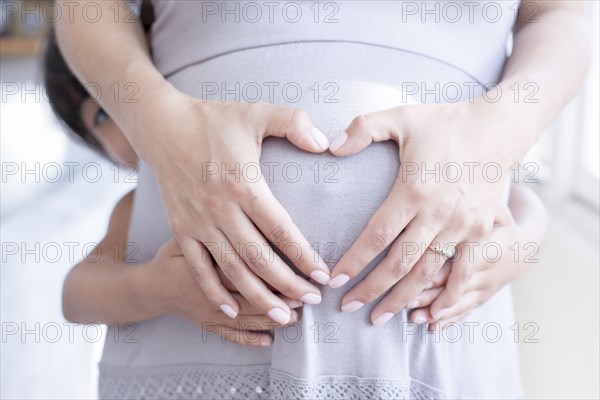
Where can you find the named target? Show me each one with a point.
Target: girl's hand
(171, 287)
(453, 172)
(215, 209)
(451, 299)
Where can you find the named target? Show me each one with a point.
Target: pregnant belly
(329, 198)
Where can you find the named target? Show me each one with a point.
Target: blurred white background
(42, 356)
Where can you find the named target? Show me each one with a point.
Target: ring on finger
(448, 252)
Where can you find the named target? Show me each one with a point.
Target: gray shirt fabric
(368, 60)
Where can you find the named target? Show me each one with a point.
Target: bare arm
(551, 51)
(113, 50)
(177, 135)
(108, 290)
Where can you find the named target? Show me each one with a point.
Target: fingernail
(383, 318)
(294, 303)
(279, 316)
(414, 304)
(319, 138)
(352, 306)
(265, 343)
(320, 277)
(227, 310)
(338, 141)
(420, 319)
(311, 298)
(338, 281)
(440, 314)
(429, 285)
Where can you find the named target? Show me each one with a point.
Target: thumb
(364, 130)
(296, 126)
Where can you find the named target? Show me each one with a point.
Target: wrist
(152, 96)
(512, 127)
(146, 291)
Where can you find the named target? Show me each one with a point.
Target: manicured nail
(319, 138)
(420, 319)
(311, 298)
(279, 316)
(338, 141)
(265, 343)
(338, 281)
(320, 277)
(414, 304)
(352, 306)
(230, 312)
(383, 318)
(440, 314)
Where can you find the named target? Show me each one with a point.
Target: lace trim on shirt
(248, 382)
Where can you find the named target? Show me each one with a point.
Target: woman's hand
(518, 233)
(172, 134)
(219, 203)
(421, 212)
(487, 278)
(193, 146)
(169, 286)
(506, 252)
(453, 172)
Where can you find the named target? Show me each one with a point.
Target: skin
(108, 134)
(553, 53)
(423, 213)
(112, 292)
(231, 215)
(524, 223)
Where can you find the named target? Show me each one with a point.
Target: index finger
(383, 228)
(272, 219)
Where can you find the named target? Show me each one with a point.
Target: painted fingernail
(352, 306)
(383, 318)
(279, 316)
(414, 304)
(311, 298)
(338, 141)
(227, 310)
(338, 281)
(319, 138)
(265, 343)
(440, 314)
(420, 319)
(320, 277)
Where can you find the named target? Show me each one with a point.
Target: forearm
(107, 292)
(549, 61)
(112, 56)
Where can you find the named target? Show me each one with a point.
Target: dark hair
(66, 93)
